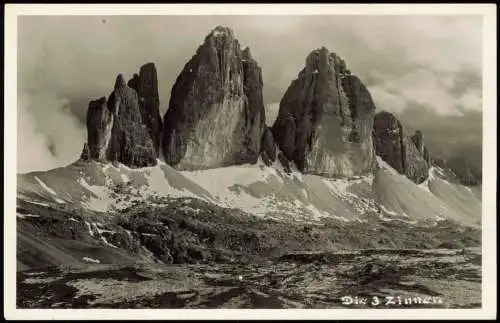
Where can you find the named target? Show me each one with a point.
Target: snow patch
(124, 177)
(45, 187)
(107, 243)
(390, 212)
(37, 203)
(101, 201)
(149, 234)
(425, 185)
(304, 192)
(158, 183)
(382, 164)
(48, 189)
(90, 228)
(340, 188)
(24, 216)
(318, 214)
(88, 259)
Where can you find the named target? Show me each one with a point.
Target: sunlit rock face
(325, 120)
(216, 114)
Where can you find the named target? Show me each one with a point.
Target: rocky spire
(99, 125)
(418, 140)
(115, 129)
(146, 85)
(216, 113)
(405, 154)
(325, 119)
(388, 137)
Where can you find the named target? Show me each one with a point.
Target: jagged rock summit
(326, 123)
(118, 129)
(406, 154)
(146, 85)
(388, 138)
(325, 119)
(216, 114)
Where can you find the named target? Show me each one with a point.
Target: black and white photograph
(221, 157)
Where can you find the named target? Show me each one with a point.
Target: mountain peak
(216, 111)
(222, 31)
(120, 82)
(325, 119)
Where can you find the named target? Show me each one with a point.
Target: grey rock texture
(284, 162)
(85, 155)
(146, 85)
(115, 129)
(325, 120)
(406, 154)
(268, 147)
(416, 168)
(130, 143)
(99, 125)
(388, 137)
(216, 113)
(418, 140)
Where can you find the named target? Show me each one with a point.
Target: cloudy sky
(426, 69)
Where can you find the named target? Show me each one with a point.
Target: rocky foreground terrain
(365, 279)
(192, 254)
(334, 205)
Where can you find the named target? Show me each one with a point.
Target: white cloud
(42, 122)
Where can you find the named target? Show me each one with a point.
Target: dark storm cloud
(447, 136)
(65, 61)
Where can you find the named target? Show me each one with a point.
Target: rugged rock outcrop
(146, 85)
(85, 155)
(388, 137)
(130, 141)
(416, 168)
(268, 147)
(284, 162)
(216, 113)
(418, 140)
(407, 155)
(116, 131)
(325, 119)
(99, 125)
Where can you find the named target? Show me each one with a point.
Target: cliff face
(99, 124)
(418, 140)
(326, 123)
(216, 113)
(146, 85)
(116, 131)
(268, 147)
(131, 143)
(388, 138)
(416, 168)
(325, 119)
(406, 154)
